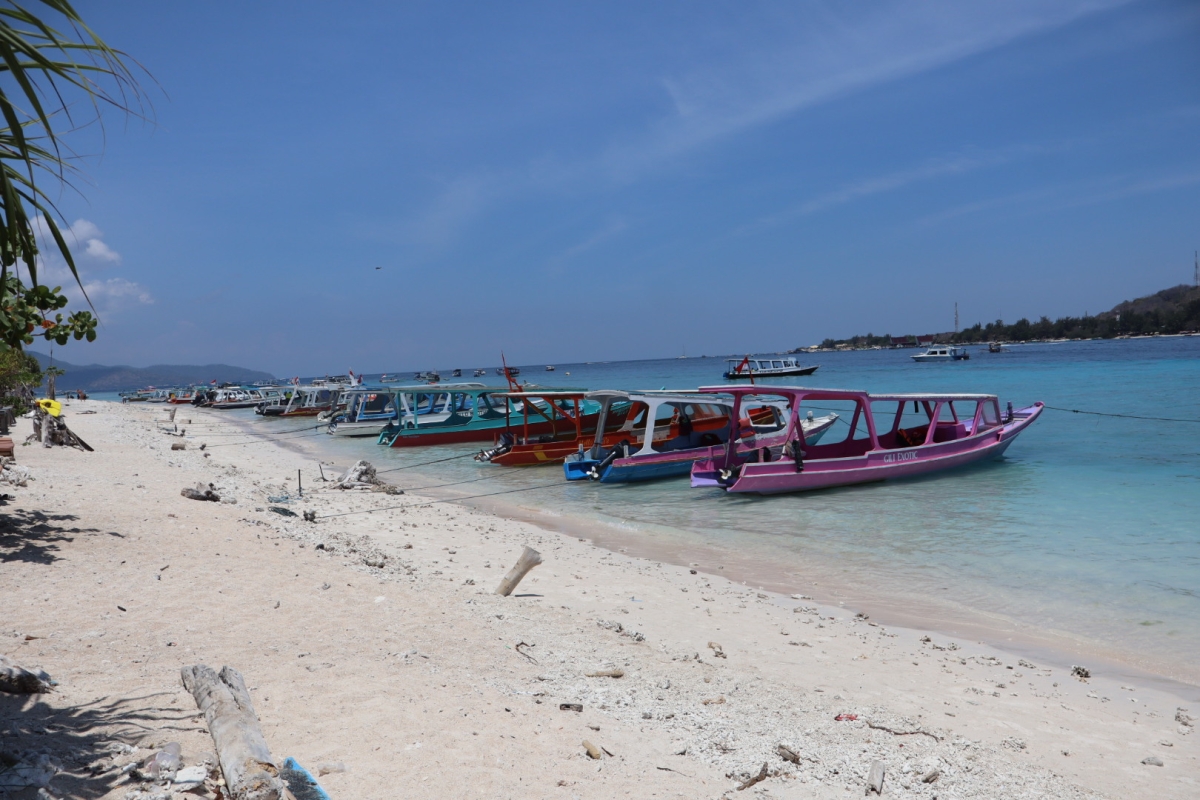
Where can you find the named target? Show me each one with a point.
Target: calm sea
(1084, 540)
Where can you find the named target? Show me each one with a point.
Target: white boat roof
(931, 396)
(661, 395)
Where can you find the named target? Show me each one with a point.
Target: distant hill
(1168, 302)
(1170, 311)
(99, 378)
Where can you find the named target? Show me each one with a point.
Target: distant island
(1171, 311)
(99, 378)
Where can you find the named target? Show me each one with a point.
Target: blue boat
(683, 428)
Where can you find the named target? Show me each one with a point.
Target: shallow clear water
(1089, 528)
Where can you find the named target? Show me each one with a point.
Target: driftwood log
(246, 763)
(529, 559)
(15, 679)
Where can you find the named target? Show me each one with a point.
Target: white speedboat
(941, 352)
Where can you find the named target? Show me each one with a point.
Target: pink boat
(888, 436)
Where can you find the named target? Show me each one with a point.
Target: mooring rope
(446, 500)
(1122, 416)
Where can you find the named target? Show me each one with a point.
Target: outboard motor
(620, 451)
(503, 446)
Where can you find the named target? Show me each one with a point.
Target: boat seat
(949, 431)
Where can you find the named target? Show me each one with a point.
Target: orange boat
(574, 428)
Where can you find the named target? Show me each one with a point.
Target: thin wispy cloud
(609, 231)
(1066, 196)
(767, 68)
(813, 56)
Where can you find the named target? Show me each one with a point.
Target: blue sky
(625, 180)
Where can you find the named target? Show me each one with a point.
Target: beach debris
(845, 718)
(202, 492)
(518, 647)
(377, 560)
(875, 778)
(714, 701)
(328, 767)
(570, 707)
(788, 754)
(1152, 761)
(362, 476)
(1182, 717)
(246, 763)
(617, 627)
(301, 785)
(15, 679)
(13, 473)
(716, 648)
(762, 775)
(311, 516)
(285, 512)
(606, 673)
(529, 559)
(189, 778)
(16, 774)
(163, 764)
(592, 751)
(931, 776)
(1082, 673)
(179, 445)
(915, 732)
(50, 427)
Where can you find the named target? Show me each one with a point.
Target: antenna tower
(1196, 275)
(956, 317)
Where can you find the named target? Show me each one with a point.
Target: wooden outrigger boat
(366, 411)
(572, 417)
(663, 433)
(951, 430)
(304, 401)
(455, 414)
(182, 396)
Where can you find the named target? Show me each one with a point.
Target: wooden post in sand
(529, 559)
(246, 763)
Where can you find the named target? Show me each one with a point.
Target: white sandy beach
(407, 679)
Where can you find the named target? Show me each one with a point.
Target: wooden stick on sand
(529, 559)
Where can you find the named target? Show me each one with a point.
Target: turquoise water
(1085, 538)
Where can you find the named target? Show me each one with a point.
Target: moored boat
(304, 401)
(943, 431)
(772, 367)
(942, 352)
(571, 416)
(664, 433)
(453, 414)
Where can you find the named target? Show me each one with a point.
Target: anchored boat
(774, 367)
(943, 353)
(889, 436)
(664, 433)
(452, 414)
(572, 417)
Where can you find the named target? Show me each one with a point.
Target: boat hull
(786, 372)
(364, 428)
(670, 464)
(877, 465)
(485, 431)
